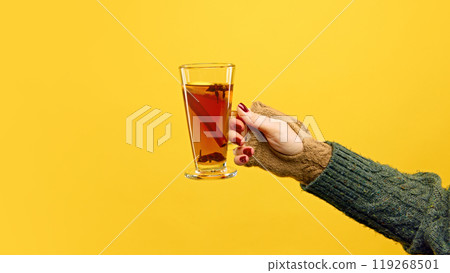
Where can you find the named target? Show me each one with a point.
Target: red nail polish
(248, 152)
(242, 159)
(243, 107)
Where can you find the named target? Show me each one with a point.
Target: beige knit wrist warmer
(304, 167)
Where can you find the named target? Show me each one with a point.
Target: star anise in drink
(210, 157)
(216, 88)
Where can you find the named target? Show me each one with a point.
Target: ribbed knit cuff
(341, 181)
(368, 192)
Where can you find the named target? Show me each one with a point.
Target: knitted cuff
(304, 167)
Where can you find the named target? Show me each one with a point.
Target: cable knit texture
(412, 209)
(304, 167)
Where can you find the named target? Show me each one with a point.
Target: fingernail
(248, 152)
(239, 128)
(243, 107)
(242, 159)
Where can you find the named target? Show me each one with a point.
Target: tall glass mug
(208, 91)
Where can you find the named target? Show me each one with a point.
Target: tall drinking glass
(208, 91)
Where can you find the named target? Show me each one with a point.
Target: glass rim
(206, 65)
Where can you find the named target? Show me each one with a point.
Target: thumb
(253, 119)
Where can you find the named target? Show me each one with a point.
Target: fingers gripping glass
(208, 91)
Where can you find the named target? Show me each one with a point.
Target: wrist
(317, 156)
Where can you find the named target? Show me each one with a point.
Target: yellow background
(376, 81)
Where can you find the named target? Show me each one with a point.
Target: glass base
(227, 172)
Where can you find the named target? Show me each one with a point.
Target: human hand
(269, 139)
(274, 129)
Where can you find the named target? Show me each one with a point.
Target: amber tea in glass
(207, 92)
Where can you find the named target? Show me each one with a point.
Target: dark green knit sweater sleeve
(412, 209)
